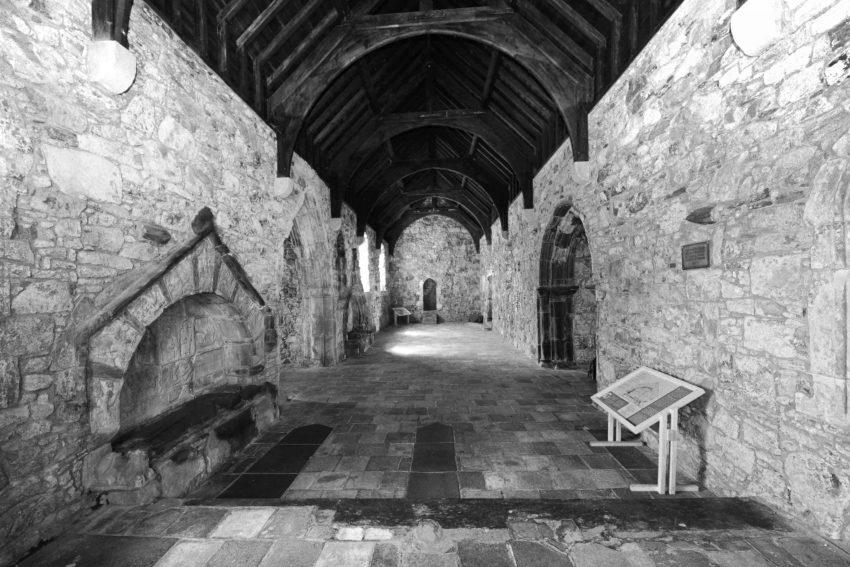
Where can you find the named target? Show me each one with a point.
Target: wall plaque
(695, 256)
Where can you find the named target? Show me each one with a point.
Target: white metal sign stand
(638, 400)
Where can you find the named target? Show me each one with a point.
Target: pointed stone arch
(203, 265)
(566, 302)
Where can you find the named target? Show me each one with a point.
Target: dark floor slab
(435, 433)
(100, 551)
(284, 459)
(476, 554)
(259, 486)
(434, 457)
(432, 486)
(631, 458)
(308, 435)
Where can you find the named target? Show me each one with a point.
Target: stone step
(468, 533)
(429, 317)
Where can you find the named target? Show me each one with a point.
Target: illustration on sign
(639, 398)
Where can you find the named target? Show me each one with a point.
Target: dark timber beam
(260, 22)
(260, 83)
(498, 28)
(482, 222)
(490, 80)
(227, 13)
(110, 20)
(424, 188)
(203, 32)
(477, 122)
(615, 17)
(496, 191)
(424, 20)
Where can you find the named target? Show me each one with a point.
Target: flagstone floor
(440, 447)
(441, 411)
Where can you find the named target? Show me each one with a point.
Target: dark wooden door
(429, 295)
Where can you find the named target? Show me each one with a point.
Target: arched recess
(293, 320)
(198, 343)
(566, 300)
(203, 265)
(567, 85)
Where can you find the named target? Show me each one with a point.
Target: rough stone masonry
(697, 141)
(756, 149)
(84, 176)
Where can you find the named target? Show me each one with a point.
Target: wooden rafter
(260, 22)
(293, 99)
(224, 16)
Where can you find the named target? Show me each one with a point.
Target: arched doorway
(566, 298)
(429, 295)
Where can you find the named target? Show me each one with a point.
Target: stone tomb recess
(175, 372)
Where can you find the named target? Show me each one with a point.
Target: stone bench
(176, 451)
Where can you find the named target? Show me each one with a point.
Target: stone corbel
(758, 24)
(111, 66)
(283, 187)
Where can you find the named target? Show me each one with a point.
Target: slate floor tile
(196, 522)
(475, 554)
(242, 523)
(385, 555)
(350, 554)
(289, 521)
(292, 553)
(240, 554)
(190, 554)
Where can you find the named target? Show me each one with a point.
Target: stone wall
(757, 150)
(439, 248)
(83, 177)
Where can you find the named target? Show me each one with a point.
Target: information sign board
(640, 398)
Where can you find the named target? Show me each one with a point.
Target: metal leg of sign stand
(668, 432)
(615, 436)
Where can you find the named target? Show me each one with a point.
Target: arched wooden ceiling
(398, 102)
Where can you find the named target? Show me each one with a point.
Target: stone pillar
(111, 66)
(756, 25)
